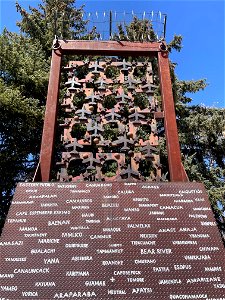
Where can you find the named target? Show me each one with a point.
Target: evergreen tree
(201, 129)
(53, 17)
(23, 86)
(202, 139)
(137, 30)
(24, 71)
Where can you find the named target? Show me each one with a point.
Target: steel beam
(177, 172)
(48, 135)
(109, 48)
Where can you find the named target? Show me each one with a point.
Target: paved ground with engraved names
(122, 240)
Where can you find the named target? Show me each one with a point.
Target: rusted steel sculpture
(111, 127)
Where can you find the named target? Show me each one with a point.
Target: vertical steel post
(164, 27)
(48, 135)
(110, 24)
(177, 172)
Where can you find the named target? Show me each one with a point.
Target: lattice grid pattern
(111, 130)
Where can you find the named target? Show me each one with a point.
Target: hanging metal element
(112, 132)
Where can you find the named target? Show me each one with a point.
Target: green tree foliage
(20, 131)
(201, 129)
(53, 18)
(23, 65)
(137, 30)
(202, 139)
(23, 85)
(24, 71)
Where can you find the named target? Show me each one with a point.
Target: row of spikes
(158, 15)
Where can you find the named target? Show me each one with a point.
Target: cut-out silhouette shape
(123, 140)
(82, 112)
(74, 145)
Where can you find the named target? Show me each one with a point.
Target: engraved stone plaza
(111, 241)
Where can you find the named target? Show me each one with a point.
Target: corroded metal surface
(109, 48)
(110, 126)
(177, 172)
(48, 136)
(100, 86)
(102, 240)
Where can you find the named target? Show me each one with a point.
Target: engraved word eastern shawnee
(76, 294)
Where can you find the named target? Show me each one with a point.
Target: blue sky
(201, 23)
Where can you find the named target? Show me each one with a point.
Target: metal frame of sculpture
(108, 150)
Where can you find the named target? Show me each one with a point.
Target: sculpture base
(111, 241)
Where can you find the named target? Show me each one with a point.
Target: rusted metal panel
(132, 115)
(48, 136)
(109, 48)
(104, 240)
(177, 172)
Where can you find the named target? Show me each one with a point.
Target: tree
(53, 18)
(137, 30)
(24, 71)
(202, 139)
(23, 83)
(201, 129)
